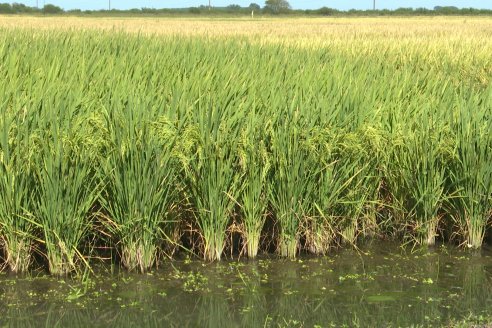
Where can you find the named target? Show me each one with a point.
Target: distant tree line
(19, 8)
(271, 7)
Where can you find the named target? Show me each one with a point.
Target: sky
(297, 4)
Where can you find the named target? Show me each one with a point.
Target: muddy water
(381, 285)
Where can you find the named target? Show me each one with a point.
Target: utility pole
(109, 5)
(209, 5)
(374, 5)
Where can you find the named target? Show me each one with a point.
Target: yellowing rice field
(152, 137)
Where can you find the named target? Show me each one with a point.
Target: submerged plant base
(349, 234)
(252, 245)
(18, 254)
(369, 224)
(60, 264)
(214, 246)
(320, 243)
(319, 238)
(475, 235)
(138, 256)
(288, 247)
(428, 235)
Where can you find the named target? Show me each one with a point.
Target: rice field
(132, 141)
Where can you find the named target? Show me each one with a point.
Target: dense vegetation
(148, 145)
(271, 7)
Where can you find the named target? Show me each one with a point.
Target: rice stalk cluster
(121, 140)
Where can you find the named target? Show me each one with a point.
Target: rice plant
(357, 168)
(421, 165)
(17, 190)
(255, 166)
(472, 172)
(140, 177)
(336, 205)
(67, 187)
(66, 192)
(321, 230)
(382, 127)
(291, 180)
(212, 177)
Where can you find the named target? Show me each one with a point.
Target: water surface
(380, 285)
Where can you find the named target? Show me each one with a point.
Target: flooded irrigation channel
(381, 285)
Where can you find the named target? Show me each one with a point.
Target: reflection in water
(381, 287)
(213, 312)
(477, 286)
(253, 308)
